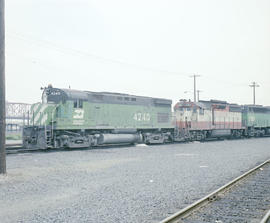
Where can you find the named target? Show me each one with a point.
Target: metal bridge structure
(17, 115)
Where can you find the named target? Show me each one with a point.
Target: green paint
(100, 116)
(256, 119)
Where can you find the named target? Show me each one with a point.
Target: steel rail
(18, 148)
(13, 145)
(266, 217)
(210, 197)
(22, 150)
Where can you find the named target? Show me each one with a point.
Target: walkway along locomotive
(73, 119)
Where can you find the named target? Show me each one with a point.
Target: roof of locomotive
(208, 104)
(185, 103)
(106, 97)
(256, 108)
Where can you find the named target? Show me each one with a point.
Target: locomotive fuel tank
(119, 138)
(220, 133)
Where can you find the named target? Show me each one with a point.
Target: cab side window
(75, 104)
(57, 112)
(78, 104)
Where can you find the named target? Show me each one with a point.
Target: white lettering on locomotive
(142, 117)
(78, 113)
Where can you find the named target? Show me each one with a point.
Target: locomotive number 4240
(141, 116)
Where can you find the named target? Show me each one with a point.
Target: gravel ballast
(128, 184)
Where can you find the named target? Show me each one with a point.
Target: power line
(76, 52)
(72, 51)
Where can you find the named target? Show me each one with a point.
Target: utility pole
(254, 85)
(194, 78)
(2, 91)
(198, 94)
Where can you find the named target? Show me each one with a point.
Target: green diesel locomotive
(256, 120)
(72, 119)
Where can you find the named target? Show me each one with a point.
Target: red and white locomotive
(207, 119)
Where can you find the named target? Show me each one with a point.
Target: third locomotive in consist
(72, 119)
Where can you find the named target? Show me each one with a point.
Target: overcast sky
(142, 47)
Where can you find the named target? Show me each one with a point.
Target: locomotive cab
(53, 95)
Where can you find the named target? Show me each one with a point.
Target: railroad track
(13, 145)
(13, 148)
(18, 148)
(266, 218)
(237, 201)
